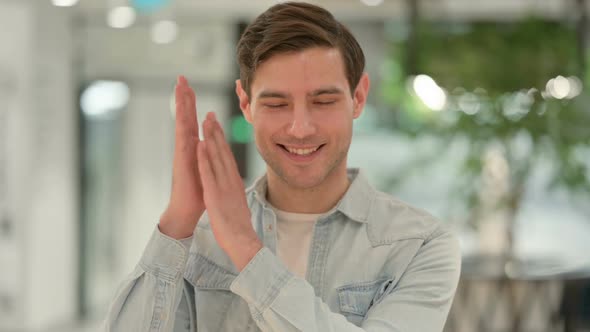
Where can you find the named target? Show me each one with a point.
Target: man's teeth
(302, 152)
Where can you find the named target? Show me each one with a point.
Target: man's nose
(301, 125)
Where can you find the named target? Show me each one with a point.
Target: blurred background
(479, 113)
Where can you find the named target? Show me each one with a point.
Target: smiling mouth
(301, 152)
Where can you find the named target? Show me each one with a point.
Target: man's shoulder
(391, 219)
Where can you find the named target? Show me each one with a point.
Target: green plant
(496, 80)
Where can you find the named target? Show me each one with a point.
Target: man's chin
(303, 179)
(299, 184)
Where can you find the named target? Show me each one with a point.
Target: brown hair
(294, 27)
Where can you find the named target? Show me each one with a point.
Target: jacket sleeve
(154, 297)
(420, 301)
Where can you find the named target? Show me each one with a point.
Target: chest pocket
(357, 298)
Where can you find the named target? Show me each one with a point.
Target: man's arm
(420, 301)
(149, 299)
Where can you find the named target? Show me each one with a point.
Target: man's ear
(244, 101)
(360, 95)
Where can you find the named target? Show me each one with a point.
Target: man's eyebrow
(271, 94)
(326, 91)
(315, 93)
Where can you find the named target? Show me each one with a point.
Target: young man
(311, 246)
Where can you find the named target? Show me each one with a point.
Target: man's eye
(327, 102)
(275, 105)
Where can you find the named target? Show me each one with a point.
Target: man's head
(301, 85)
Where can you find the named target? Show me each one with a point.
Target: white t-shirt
(294, 232)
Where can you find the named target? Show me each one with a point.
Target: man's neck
(318, 199)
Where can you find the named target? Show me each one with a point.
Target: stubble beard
(273, 163)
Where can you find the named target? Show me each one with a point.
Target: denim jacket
(375, 264)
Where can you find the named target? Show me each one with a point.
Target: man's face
(302, 110)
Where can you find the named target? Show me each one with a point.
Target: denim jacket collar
(355, 204)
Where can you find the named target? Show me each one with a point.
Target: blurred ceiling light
(64, 3)
(432, 95)
(576, 87)
(549, 88)
(121, 17)
(372, 3)
(104, 97)
(164, 32)
(560, 87)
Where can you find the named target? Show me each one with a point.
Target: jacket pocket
(357, 298)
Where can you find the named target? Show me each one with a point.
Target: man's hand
(186, 199)
(224, 196)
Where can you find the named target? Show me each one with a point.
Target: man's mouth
(301, 151)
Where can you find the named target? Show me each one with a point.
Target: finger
(186, 118)
(183, 135)
(227, 157)
(179, 107)
(213, 153)
(191, 100)
(205, 171)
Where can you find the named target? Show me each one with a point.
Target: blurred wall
(38, 252)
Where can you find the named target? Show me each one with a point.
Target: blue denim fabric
(375, 264)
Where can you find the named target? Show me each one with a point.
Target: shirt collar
(355, 204)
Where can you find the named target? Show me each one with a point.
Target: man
(311, 246)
